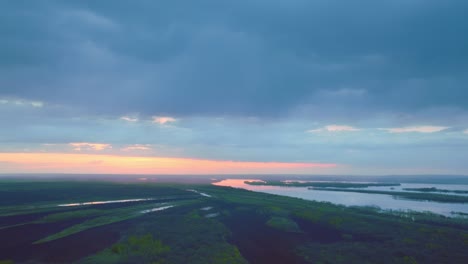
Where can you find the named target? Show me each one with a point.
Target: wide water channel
(360, 199)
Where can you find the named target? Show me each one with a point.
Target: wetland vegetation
(320, 184)
(243, 227)
(436, 197)
(436, 190)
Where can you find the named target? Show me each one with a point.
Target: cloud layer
(237, 58)
(420, 129)
(380, 86)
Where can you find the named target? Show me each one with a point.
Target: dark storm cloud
(252, 58)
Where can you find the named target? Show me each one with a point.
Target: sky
(374, 87)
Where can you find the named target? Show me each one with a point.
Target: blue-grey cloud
(240, 80)
(238, 58)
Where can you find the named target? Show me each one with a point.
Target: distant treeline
(434, 189)
(435, 197)
(321, 184)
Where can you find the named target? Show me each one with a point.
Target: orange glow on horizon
(92, 163)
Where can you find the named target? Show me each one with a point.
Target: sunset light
(108, 164)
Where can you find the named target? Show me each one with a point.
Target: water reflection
(200, 193)
(357, 199)
(106, 202)
(212, 215)
(156, 209)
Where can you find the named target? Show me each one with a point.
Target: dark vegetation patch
(17, 242)
(259, 243)
(18, 219)
(283, 224)
(79, 245)
(25, 193)
(135, 249)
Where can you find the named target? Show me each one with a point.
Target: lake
(360, 199)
